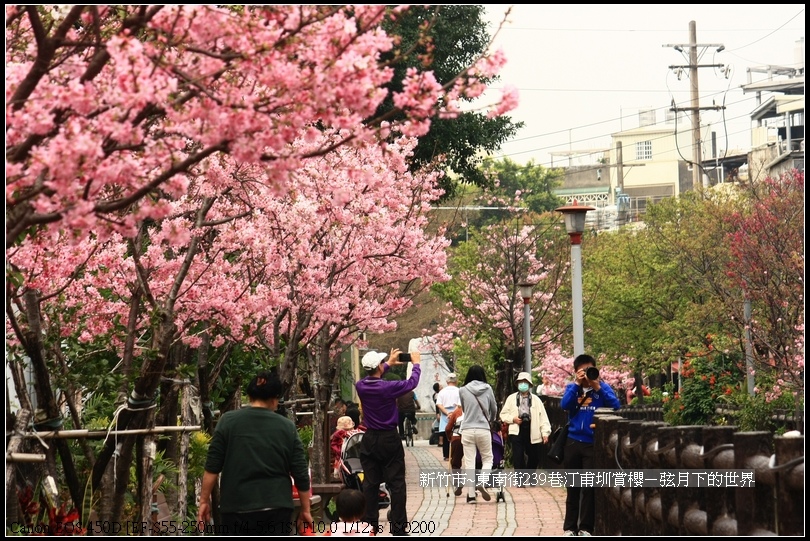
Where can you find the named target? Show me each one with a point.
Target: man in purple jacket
(381, 453)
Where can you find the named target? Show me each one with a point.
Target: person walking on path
(407, 405)
(451, 432)
(529, 427)
(480, 408)
(446, 402)
(382, 455)
(580, 400)
(259, 454)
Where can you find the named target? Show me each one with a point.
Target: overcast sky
(584, 70)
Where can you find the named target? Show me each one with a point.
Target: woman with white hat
(528, 422)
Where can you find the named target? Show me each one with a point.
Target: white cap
(452, 377)
(524, 376)
(372, 359)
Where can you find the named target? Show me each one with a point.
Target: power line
(586, 139)
(610, 120)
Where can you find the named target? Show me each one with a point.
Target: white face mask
(523, 387)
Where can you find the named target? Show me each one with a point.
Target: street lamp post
(526, 293)
(575, 225)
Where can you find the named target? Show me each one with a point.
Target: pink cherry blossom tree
(358, 263)
(147, 150)
(110, 107)
(485, 309)
(767, 264)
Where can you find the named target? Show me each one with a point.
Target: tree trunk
(203, 383)
(637, 384)
(14, 445)
(146, 470)
(141, 401)
(319, 456)
(122, 464)
(106, 498)
(504, 377)
(45, 397)
(187, 418)
(170, 390)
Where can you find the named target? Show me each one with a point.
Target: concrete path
(531, 511)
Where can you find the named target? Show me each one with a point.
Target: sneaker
(470, 499)
(484, 493)
(447, 459)
(458, 490)
(569, 533)
(583, 533)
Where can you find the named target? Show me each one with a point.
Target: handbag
(495, 424)
(558, 439)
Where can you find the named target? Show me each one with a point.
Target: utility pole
(620, 199)
(695, 107)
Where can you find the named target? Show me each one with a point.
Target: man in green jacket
(259, 454)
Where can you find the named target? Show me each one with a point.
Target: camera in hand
(592, 373)
(525, 418)
(404, 357)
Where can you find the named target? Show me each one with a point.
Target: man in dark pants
(580, 400)
(254, 456)
(381, 453)
(408, 405)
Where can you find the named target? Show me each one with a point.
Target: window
(644, 150)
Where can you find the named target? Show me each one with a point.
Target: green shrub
(305, 433)
(754, 413)
(708, 381)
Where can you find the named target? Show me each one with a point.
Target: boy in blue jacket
(580, 400)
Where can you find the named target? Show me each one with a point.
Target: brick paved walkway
(533, 511)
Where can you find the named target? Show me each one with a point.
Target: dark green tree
(445, 39)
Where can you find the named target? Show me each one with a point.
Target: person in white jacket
(529, 427)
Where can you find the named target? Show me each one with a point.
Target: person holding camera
(528, 422)
(382, 455)
(580, 400)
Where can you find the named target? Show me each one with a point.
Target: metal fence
(773, 506)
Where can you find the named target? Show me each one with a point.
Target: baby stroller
(498, 482)
(351, 470)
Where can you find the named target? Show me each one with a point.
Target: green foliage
(671, 405)
(708, 382)
(445, 39)
(630, 299)
(305, 433)
(241, 367)
(534, 183)
(656, 396)
(466, 356)
(755, 412)
(197, 454)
